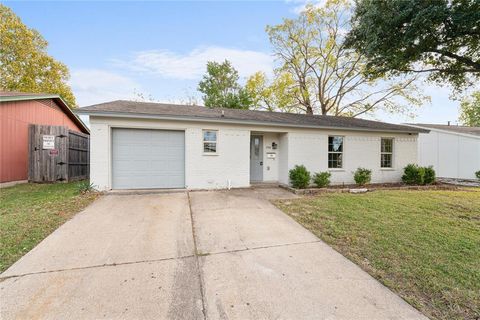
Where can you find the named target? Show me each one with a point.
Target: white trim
(392, 167)
(468, 135)
(342, 153)
(205, 153)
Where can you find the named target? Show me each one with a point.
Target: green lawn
(30, 212)
(424, 245)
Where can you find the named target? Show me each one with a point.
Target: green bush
(322, 179)
(85, 186)
(362, 176)
(477, 174)
(299, 177)
(429, 177)
(414, 174)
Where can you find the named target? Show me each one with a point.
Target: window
(210, 141)
(335, 152)
(386, 153)
(256, 146)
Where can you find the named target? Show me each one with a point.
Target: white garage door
(144, 159)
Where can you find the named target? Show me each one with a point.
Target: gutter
(467, 135)
(27, 97)
(235, 121)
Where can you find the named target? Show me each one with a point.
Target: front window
(335, 152)
(386, 153)
(210, 141)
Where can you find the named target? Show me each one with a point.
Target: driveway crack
(113, 264)
(197, 258)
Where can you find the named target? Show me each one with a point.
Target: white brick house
(147, 145)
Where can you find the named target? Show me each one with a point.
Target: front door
(256, 158)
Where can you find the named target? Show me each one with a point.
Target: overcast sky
(160, 48)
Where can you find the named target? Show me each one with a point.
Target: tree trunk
(309, 111)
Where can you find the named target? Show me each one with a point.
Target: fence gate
(57, 154)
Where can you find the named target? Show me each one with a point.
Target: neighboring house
(454, 151)
(137, 145)
(17, 111)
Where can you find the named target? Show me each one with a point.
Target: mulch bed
(371, 187)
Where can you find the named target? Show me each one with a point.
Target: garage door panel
(148, 159)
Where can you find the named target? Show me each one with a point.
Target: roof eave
(235, 121)
(29, 97)
(463, 134)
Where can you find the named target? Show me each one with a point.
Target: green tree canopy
(25, 65)
(470, 110)
(221, 89)
(329, 77)
(440, 37)
(276, 95)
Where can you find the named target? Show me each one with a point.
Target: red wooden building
(17, 111)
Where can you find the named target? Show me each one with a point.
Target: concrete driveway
(197, 255)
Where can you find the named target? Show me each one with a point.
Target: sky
(160, 49)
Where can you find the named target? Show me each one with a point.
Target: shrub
(322, 179)
(477, 174)
(362, 176)
(85, 187)
(299, 177)
(429, 177)
(414, 174)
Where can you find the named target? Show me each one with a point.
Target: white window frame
(210, 153)
(341, 168)
(390, 153)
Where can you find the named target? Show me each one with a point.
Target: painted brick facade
(231, 165)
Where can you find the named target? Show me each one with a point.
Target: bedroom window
(210, 141)
(386, 153)
(335, 152)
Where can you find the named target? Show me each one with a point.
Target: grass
(424, 245)
(30, 212)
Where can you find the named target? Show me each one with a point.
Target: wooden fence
(57, 154)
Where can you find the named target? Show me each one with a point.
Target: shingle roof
(162, 110)
(453, 128)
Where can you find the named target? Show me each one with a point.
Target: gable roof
(451, 128)
(8, 96)
(134, 109)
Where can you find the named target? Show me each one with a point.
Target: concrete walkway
(197, 255)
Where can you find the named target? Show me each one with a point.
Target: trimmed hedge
(362, 176)
(322, 179)
(299, 177)
(414, 174)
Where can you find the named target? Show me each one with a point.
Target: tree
(221, 89)
(438, 37)
(279, 95)
(470, 110)
(329, 78)
(25, 65)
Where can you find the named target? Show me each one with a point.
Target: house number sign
(48, 142)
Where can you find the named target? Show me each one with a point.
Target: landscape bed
(423, 244)
(370, 187)
(30, 212)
